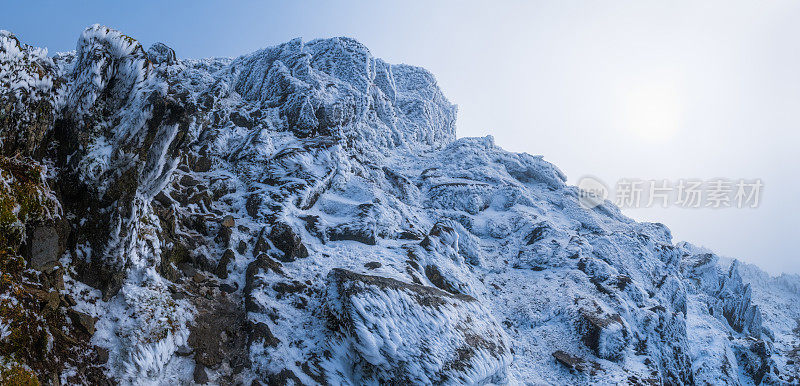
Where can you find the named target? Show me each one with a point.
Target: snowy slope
(305, 214)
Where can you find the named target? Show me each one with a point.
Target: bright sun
(652, 110)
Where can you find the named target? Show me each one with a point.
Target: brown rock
(53, 300)
(228, 221)
(84, 321)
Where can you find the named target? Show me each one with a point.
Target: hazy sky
(639, 89)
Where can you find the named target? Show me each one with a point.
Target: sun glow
(652, 110)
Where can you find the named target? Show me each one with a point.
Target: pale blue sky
(636, 89)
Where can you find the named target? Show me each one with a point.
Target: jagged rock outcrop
(305, 214)
(740, 341)
(29, 93)
(335, 84)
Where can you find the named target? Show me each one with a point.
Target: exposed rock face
(390, 331)
(288, 242)
(40, 335)
(212, 221)
(743, 344)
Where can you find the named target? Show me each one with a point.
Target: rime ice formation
(389, 329)
(306, 215)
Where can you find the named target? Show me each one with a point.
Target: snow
(104, 54)
(142, 328)
(429, 337)
(16, 61)
(429, 258)
(5, 330)
(28, 87)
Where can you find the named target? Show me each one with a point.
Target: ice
(313, 203)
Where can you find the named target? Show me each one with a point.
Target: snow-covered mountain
(305, 214)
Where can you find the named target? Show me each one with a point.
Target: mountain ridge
(305, 214)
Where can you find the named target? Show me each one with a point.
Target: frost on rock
(161, 54)
(741, 342)
(332, 85)
(390, 331)
(211, 221)
(29, 91)
(121, 137)
(106, 61)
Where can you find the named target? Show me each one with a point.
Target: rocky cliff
(305, 214)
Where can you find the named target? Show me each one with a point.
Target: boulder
(86, 322)
(372, 265)
(200, 376)
(44, 246)
(228, 221)
(287, 241)
(605, 334)
(576, 363)
(353, 232)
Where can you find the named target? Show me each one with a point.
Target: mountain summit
(305, 215)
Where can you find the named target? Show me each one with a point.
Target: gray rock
(219, 333)
(573, 362)
(184, 351)
(224, 235)
(287, 241)
(43, 246)
(200, 375)
(372, 265)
